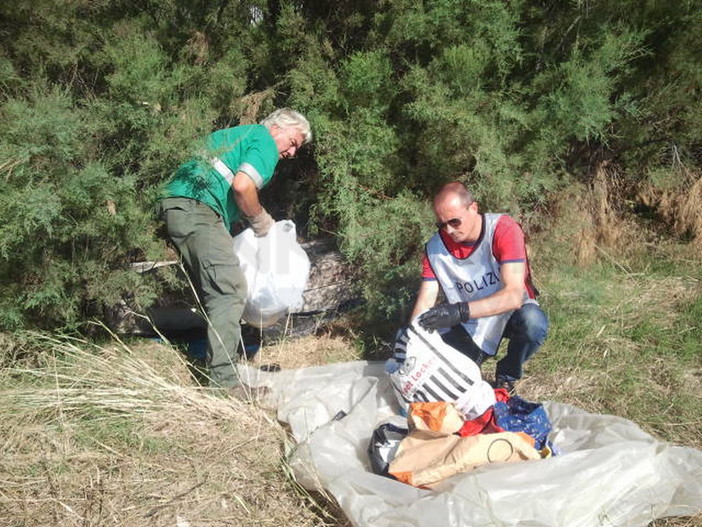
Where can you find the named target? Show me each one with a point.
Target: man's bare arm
(426, 298)
(510, 297)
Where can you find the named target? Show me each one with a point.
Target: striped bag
(431, 370)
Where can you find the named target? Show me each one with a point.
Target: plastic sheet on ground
(610, 473)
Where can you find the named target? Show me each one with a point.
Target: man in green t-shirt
(206, 196)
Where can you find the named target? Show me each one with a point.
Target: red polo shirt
(507, 246)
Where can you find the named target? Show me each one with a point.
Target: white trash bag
(276, 268)
(434, 371)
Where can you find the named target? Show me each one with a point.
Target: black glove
(445, 316)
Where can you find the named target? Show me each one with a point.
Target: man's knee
(529, 322)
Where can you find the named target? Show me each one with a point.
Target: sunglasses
(453, 222)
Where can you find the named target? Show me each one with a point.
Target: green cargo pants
(207, 252)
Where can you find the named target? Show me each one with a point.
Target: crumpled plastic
(609, 472)
(276, 269)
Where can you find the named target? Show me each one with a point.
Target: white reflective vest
(473, 278)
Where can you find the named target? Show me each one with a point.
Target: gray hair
(287, 118)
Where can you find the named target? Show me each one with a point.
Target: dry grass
(589, 221)
(678, 207)
(307, 351)
(99, 436)
(695, 521)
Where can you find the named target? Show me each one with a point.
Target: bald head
(457, 213)
(454, 191)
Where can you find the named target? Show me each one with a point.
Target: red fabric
(507, 246)
(501, 395)
(485, 424)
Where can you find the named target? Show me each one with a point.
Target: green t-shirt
(207, 178)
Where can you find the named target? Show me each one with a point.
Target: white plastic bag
(276, 268)
(434, 371)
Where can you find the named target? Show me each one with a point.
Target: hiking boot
(505, 384)
(246, 393)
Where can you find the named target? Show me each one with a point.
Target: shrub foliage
(100, 100)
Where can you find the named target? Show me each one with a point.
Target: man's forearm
(419, 308)
(502, 301)
(246, 195)
(426, 298)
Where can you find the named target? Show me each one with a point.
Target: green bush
(100, 101)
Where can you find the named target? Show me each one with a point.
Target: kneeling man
(480, 263)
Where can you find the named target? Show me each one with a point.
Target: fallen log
(331, 290)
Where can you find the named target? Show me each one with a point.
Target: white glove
(261, 223)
